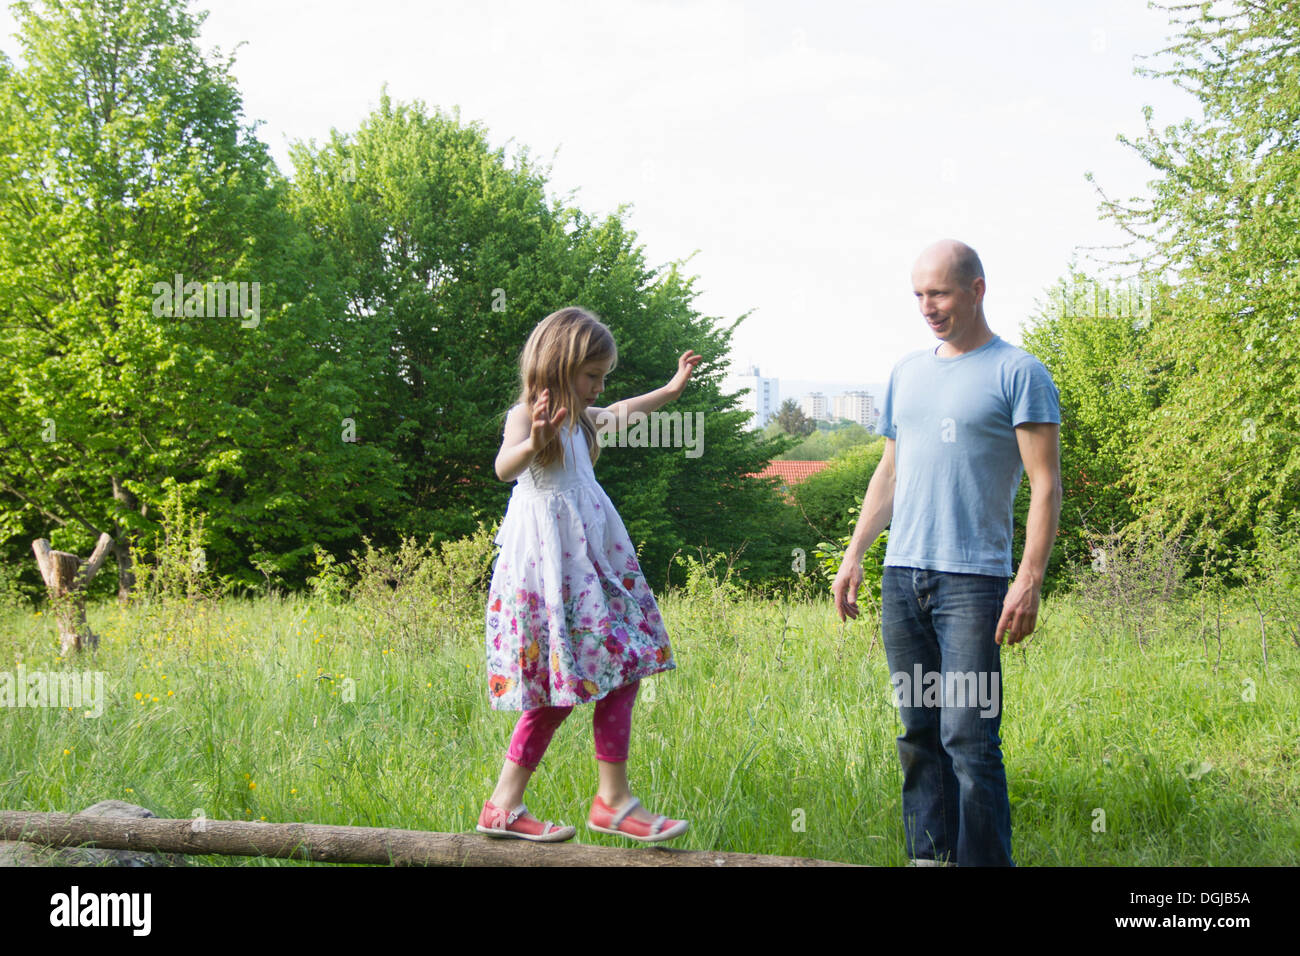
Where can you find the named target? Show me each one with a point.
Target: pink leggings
(611, 724)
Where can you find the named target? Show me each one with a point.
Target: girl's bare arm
(526, 433)
(516, 452)
(659, 397)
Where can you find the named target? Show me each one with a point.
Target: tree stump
(66, 578)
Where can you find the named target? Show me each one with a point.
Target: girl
(570, 617)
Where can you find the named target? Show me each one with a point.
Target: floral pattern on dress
(570, 616)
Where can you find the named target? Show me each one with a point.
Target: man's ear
(977, 286)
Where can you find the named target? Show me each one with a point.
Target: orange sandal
(604, 819)
(495, 822)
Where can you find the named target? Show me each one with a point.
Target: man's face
(949, 309)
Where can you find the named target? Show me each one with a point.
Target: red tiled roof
(792, 472)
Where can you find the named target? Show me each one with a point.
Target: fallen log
(342, 844)
(14, 853)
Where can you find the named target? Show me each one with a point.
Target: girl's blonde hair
(561, 344)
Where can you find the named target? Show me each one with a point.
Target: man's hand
(845, 589)
(1040, 451)
(1019, 613)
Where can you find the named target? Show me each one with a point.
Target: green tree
(448, 255)
(1093, 340)
(1223, 448)
(451, 252)
(825, 443)
(123, 163)
(791, 419)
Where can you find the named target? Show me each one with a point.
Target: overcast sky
(804, 154)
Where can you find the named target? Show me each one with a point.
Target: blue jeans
(937, 628)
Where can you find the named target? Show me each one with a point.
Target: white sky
(808, 153)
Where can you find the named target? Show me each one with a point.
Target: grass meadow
(775, 734)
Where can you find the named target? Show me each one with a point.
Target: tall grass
(776, 733)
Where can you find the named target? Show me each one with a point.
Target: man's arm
(877, 509)
(1040, 450)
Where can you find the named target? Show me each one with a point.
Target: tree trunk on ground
(27, 854)
(66, 579)
(339, 844)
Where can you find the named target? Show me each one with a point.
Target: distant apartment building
(763, 399)
(856, 407)
(815, 406)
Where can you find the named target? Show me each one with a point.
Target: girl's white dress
(570, 616)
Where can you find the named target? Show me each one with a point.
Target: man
(959, 423)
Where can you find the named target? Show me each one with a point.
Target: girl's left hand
(685, 365)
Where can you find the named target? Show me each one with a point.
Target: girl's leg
(611, 724)
(612, 728)
(532, 735)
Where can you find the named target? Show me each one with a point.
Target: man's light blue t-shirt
(956, 460)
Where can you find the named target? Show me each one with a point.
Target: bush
(1131, 581)
(13, 596)
(712, 594)
(703, 581)
(826, 497)
(1270, 575)
(177, 567)
(830, 555)
(332, 580)
(418, 595)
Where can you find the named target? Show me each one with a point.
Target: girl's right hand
(544, 425)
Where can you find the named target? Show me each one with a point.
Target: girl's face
(591, 381)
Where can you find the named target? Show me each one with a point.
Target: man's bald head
(948, 281)
(961, 261)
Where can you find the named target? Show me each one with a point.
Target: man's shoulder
(911, 358)
(1009, 352)
(1014, 357)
